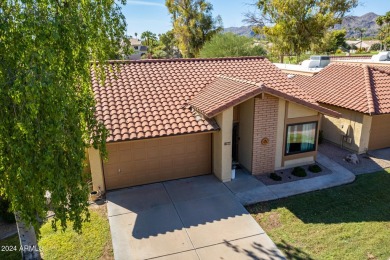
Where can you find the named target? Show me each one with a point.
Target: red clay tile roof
(363, 88)
(149, 98)
(226, 92)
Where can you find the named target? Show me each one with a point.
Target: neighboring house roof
(370, 43)
(350, 43)
(365, 44)
(226, 92)
(135, 42)
(149, 98)
(363, 88)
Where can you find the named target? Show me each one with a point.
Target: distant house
(361, 94)
(139, 49)
(366, 45)
(177, 118)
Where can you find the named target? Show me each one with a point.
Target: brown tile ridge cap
(368, 88)
(183, 60)
(313, 106)
(239, 80)
(282, 94)
(379, 69)
(233, 102)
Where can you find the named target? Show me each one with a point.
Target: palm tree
(360, 31)
(149, 39)
(384, 33)
(136, 34)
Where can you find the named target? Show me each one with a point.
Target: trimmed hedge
(275, 177)
(315, 168)
(299, 172)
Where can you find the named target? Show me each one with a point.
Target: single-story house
(366, 45)
(361, 94)
(139, 49)
(177, 118)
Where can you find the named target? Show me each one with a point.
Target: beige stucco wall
(365, 136)
(334, 128)
(280, 134)
(95, 163)
(246, 134)
(286, 113)
(380, 136)
(299, 162)
(297, 114)
(295, 110)
(222, 146)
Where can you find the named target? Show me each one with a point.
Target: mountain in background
(242, 31)
(366, 21)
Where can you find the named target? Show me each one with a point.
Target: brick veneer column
(264, 126)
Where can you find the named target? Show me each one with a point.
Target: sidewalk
(249, 190)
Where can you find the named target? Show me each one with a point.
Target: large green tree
(47, 106)
(231, 45)
(169, 44)
(293, 25)
(384, 32)
(332, 41)
(193, 24)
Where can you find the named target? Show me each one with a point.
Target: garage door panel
(153, 166)
(178, 149)
(153, 152)
(150, 144)
(164, 141)
(125, 156)
(166, 150)
(166, 163)
(122, 147)
(110, 170)
(148, 161)
(179, 139)
(139, 154)
(138, 166)
(113, 157)
(192, 147)
(138, 145)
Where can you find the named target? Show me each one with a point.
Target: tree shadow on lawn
(257, 251)
(367, 199)
(293, 253)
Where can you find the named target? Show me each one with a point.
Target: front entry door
(235, 140)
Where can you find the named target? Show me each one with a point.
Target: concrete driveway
(193, 218)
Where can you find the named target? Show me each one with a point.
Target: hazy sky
(152, 15)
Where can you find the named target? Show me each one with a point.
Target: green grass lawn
(347, 222)
(93, 243)
(7, 247)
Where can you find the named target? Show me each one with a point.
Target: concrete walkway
(199, 218)
(249, 190)
(192, 218)
(372, 161)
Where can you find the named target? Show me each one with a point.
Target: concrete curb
(278, 191)
(9, 234)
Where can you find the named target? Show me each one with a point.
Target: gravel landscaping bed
(287, 175)
(373, 161)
